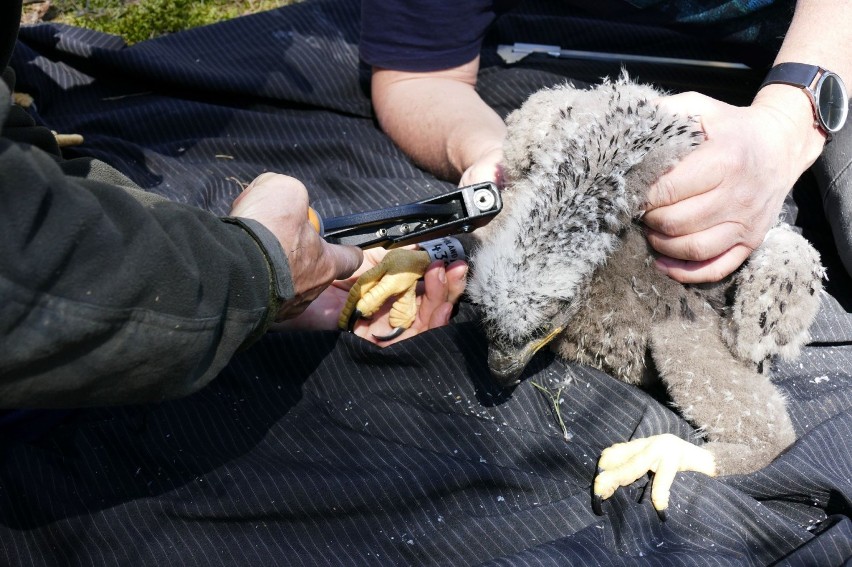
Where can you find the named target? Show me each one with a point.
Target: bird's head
(507, 360)
(529, 280)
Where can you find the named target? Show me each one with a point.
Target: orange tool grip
(315, 220)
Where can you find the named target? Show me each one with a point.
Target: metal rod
(516, 52)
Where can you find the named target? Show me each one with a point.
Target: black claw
(353, 318)
(397, 331)
(645, 490)
(597, 501)
(661, 514)
(597, 504)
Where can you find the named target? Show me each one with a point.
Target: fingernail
(442, 275)
(260, 179)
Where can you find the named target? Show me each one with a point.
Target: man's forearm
(437, 118)
(106, 301)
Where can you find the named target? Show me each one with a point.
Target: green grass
(137, 20)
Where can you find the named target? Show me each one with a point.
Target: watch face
(832, 102)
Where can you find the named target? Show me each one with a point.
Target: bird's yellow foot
(664, 455)
(22, 99)
(395, 276)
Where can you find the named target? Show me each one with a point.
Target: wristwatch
(824, 88)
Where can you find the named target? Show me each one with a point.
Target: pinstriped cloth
(320, 449)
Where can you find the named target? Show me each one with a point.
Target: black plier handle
(461, 210)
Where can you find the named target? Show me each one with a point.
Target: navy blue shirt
(426, 35)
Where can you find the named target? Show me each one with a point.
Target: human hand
(280, 203)
(441, 289)
(489, 167)
(708, 213)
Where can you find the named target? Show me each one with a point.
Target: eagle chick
(566, 264)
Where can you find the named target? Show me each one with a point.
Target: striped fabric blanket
(321, 449)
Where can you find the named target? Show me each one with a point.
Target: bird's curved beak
(507, 363)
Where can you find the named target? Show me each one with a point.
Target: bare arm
(437, 117)
(715, 207)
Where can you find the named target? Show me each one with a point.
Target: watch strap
(795, 74)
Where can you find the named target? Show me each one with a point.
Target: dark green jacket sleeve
(107, 300)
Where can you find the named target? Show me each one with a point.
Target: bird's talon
(395, 276)
(397, 331)
(597, 504)
(661, 455)
(646, 489)
(353, 319)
